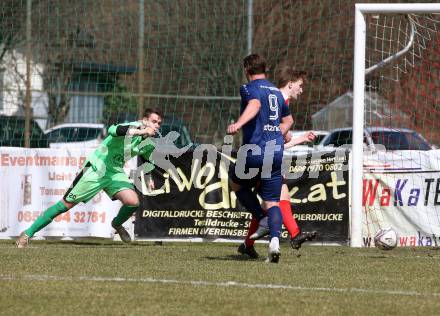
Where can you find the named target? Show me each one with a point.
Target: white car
(388, 149)
(88, 135)
(305, 147)
(387, 138)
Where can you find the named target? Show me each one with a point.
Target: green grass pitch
(96, 277)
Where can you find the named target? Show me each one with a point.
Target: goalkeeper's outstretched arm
(131, 130)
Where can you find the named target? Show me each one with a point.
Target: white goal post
(361, 10)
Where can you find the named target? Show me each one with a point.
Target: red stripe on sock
(288, 220)
(252, 229)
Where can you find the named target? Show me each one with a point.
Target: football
(386, 239)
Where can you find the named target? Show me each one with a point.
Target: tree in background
(194, 48)
(70, 34)
(120, 106)
(12, 22)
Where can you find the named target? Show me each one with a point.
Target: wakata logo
(402, 193)
(418, 240)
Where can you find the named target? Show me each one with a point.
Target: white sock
(274, 244)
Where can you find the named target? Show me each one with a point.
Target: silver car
(76, 134)
(390, 138)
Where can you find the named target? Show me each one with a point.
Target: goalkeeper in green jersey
(103, 170)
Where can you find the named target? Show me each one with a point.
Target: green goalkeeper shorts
(88, 183)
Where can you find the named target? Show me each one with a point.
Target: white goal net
(396, 130)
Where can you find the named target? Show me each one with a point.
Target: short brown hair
(254, 64)
(150, 111)
(287, 74)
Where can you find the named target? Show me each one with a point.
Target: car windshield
(318, 139)
(398, 140)
(340, 138)
(73, 134)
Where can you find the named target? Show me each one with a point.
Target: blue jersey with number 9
(264, 127)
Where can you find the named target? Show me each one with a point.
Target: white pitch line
(209, 283)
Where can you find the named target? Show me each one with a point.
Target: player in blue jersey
(262, 150)
(290, 83)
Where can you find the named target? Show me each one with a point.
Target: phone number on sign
(76, 217)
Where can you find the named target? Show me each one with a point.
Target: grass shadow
(233, 258)
(93, 243)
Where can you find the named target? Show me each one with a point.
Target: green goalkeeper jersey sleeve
(115, 150)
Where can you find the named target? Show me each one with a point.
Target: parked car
(76, 134)
(91, 135)
(12, 133)
(169, 123)
(319, 136)
(390, 138)
(305, 147)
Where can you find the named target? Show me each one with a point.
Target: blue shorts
(269, 181)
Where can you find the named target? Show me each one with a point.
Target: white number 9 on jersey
(273, 105)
